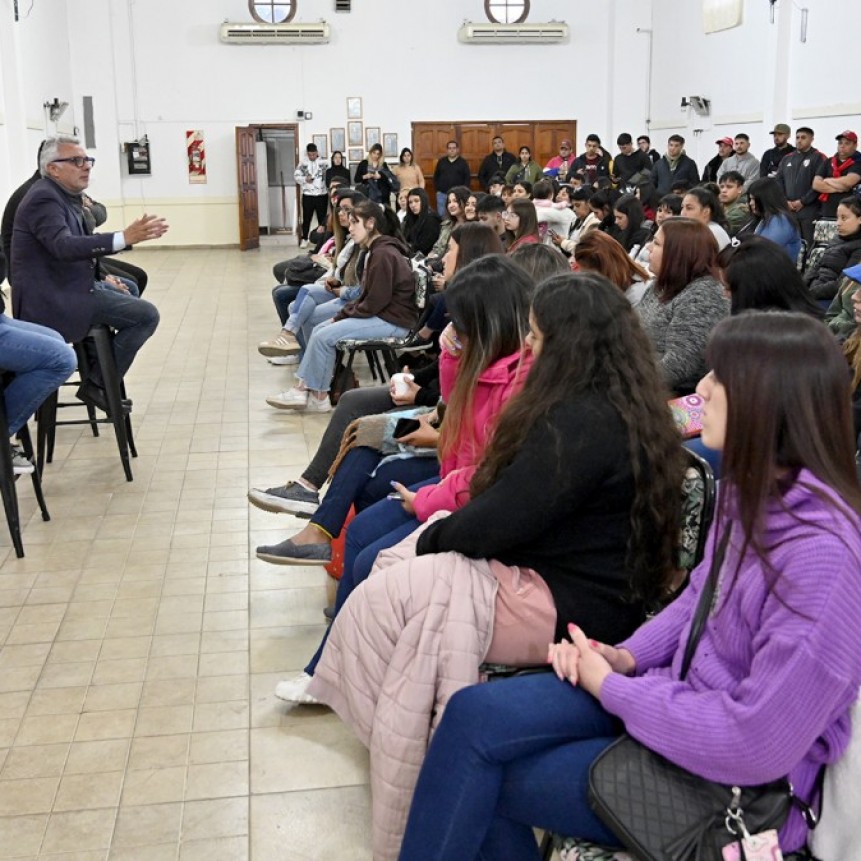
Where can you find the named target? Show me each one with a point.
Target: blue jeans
(40, 359)
(378, 527)
(305, 303)
(130, 286)
(282, 296)
(325, 311)
(135, 321)
(318, 363)
(509, 755)
(441, 200)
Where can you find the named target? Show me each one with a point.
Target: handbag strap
(705, 603)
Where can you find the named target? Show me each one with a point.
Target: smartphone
(406, 426)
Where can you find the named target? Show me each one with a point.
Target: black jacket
(9, 219)
(625, 166)
(563, 508)
(448, 174)
(490, 166)
(379, 190)
(824, 280)
(795, 175)
(664, 177)
(710, 171)
(772, 158)
(421, 232)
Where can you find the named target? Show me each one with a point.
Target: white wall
(757, 74)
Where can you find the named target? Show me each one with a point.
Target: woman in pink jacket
(482, 365)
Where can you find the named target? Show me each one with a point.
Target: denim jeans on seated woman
(40, 360)
(318, 363)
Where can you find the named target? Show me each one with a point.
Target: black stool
(100, 338)
(8, 478)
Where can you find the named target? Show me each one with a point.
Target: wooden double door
(541, 136)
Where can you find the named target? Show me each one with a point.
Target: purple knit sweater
(769, 690)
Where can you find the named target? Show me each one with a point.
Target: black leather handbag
(662, 812)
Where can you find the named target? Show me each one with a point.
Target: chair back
(824, 231)
(699, 493)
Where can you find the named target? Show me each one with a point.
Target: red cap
(850, 136)
(725, 141)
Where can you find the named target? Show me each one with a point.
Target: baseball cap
(781, 129)
(725, 141)
(853, 272)
(566, 143)
(850, 136)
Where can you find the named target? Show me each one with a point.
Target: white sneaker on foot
(283, 360)
(292, 399)
(296, 690)
(318, 405)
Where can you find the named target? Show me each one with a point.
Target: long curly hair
(593, 344)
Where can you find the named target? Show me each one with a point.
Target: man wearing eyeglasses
(54, 263)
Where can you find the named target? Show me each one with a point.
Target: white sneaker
(303, 243)
(283, 360)
(318, 405)
(292, 399)
(295, 691)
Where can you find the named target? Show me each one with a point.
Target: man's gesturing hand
(145, 228)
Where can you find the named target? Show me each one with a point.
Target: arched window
(506, 11)
(272, 11)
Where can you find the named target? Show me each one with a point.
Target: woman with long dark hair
(338, 169)
(844, 251)
(574, 514)
(481, 366)
(455, 207)
(703, 205)
(777, 222)
(760, 277)
(525, 170)
(628, 229)
(776, 670)
(421, 223)
(521, 222)
(409, 174)
(685, 300)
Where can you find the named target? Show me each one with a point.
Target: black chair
(97, 342)
(8, 477)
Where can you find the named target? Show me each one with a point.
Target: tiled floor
(140, 645)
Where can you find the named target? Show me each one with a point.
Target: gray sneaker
(290, 498)
(20, 464)
(288, 553)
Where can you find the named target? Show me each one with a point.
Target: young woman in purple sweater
(775, 673)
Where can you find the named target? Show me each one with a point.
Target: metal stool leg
(36, 476)
(113, 388)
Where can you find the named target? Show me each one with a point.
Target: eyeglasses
(77, 160)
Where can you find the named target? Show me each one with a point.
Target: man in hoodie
(742, 161)
(674, 166)
(710, 172)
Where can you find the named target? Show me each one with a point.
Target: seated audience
(525, 170)
(628, 229)
(598, 252)
(506, 193)
(775, 672)
(844, 251)
(776, 220)
(401, 199)
(684, 302)
(552, 217)
(852, 349)
(408, 173)
(521, 223)
(522, 190)
(669, 206)
(563, 195)
(489, 299)
(644, 144)
(674, 166)
(385, 307)
(574, 517)
(741, 161)
(489, 211)
(647, 194)
(421, 223)
(760, 277)
(734, 201)
(470, 211)
(703, 206)
(601, 204)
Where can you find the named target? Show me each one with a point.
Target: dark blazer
(54, 261)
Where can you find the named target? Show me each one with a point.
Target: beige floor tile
(89, 791)
(74, 651)
(19, 678)
(107, 697)
(154, 786)
(210, 717)
(47, 729)
(168, 692)
(218, 689)
(28, 795)
(34, 654)
(164, 720)
(21, 835)
(68, 675)
(96, 726)
(161, 852)
(13, 704)
(148, 825)
(82, 829)
(284, 649)
(37, 760)
(90, 757)
(221, 848)
(221, 817)
(217, 780)
(220, 746)
(123, 648)
(172, 667)
(56, 701)
(296, 826)
(223, 663)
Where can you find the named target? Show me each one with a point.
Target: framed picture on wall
(372, 136)
(339, 139)
(354, 133)
(355, 155)
(354, 108)
(322, 144)
(390, 145)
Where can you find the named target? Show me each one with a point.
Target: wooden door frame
(294, 127)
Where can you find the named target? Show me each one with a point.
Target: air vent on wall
(513, 34)
(275, 34)
(342, 5)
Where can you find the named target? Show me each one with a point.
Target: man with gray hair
(55, 263)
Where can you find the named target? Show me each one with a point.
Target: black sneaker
(290, 498)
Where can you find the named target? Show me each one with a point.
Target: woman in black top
(628, 229)
(421, 223)
(338, 169)
(376, 175)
